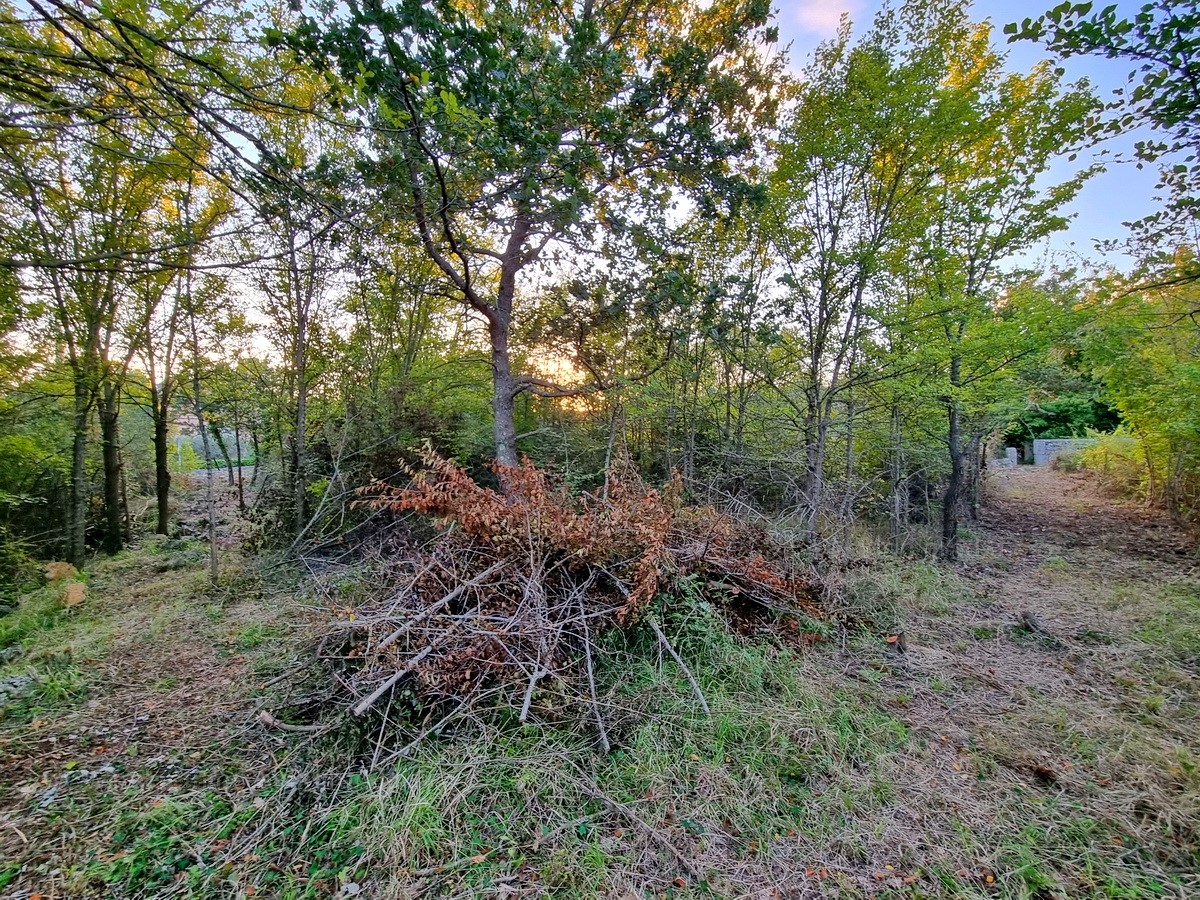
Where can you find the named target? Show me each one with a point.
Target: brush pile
(519, 584)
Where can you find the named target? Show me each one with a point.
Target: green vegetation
(325, 247)
(847, 773)
(463, 447)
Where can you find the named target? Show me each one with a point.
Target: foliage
(1143, 346)
(593, 232)
(1162, 41)
(1118, 461)
(1065, 415)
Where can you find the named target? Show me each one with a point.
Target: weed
(1056, 564)
(255, 635)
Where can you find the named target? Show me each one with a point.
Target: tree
(1143, 346)
(986, 205)
(1162, 42)
(499, 128)
(297, 261)
(855, 164)
(85, 203)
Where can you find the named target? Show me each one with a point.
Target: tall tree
(501, 127)
(855, 162)
(987, 205)
(88, 202)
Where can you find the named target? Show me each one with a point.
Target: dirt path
(1061, 690)
(141, 724)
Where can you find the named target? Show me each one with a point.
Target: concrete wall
(1044, 451)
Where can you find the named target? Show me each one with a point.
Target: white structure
(1045, 451)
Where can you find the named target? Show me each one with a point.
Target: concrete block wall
(1044, 451)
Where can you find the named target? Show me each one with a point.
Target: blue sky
(1120, 194)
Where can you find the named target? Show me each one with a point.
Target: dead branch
(441, 604)
(546, 571)
(266, 719)
(372, 698)
(662, 639)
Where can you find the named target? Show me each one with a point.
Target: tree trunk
(209, 497)
(899, 504)
(611, 445)
(848, 492)
(954, 484)
(504, 391)
(77, 522)
(504, 383)
(300, 425)
(257, 455)
(237, 446)
(220, 439)
(813, 486)
(816, 477)
(126, 520)
(162, 467)
(110, 450)
(973, 461)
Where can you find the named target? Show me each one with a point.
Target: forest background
(596, 235)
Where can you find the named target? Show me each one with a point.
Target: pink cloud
(819, 16)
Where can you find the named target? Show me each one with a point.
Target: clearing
(1031, 731)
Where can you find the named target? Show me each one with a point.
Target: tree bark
(257, 454)
(162, 465)
(77, 522)
(111, 452)
(504, 383)
(221, 445)
(300, 426)
(237, 446)
(504, 392)
(899, 504)
(209, 497)
(954, 485)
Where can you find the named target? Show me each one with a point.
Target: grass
(779, 767)
(1173, 620)
(985, 762)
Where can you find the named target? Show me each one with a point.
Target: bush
(1118, 461)
(18, 568)
(1069, 462)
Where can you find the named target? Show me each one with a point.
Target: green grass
(37, 612)
(1174, 622)
(806, 763)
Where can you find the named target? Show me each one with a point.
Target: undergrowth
(840, 767)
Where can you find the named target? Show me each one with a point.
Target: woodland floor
(1037, 738)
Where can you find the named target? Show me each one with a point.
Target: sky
(1120, 194)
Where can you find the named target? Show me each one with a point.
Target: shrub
(18, 569)
(1069, 462)
(1118, 461)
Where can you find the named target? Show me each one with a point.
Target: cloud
(820, 17)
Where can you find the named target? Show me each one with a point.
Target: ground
(1022, 725)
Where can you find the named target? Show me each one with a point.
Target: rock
(14, 687)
